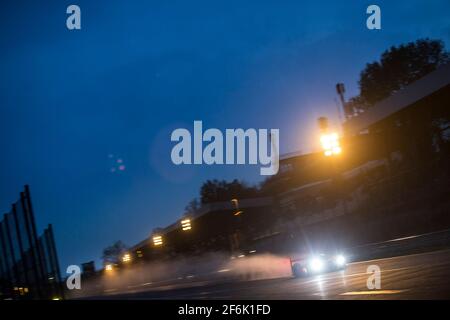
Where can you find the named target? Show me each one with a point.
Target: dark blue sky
(139, 69)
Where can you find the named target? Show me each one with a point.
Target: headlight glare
(316, 264)
(340, 260)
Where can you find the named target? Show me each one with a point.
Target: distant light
(55, 298)
(157, 240)
(108, 267)
(186, 224)
(126, 258)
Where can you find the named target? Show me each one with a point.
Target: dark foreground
(417, 276)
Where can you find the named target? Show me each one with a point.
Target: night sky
(86, 116)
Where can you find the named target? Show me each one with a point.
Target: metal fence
(29, 266)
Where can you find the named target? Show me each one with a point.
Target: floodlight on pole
(330, 144)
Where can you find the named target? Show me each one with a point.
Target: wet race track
(416, 276)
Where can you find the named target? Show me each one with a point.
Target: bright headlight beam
(316, 264)
(340, 260)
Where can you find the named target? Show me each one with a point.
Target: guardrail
(402, 246)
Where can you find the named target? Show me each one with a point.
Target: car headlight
(340, 260)
(316, 264)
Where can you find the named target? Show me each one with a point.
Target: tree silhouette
(191, 207)
(215, 190)
(113, 253)
(397, 68)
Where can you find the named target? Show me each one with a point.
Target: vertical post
(22, 253)
(33, 245)
(34, 232)
(7, 271)
(55, 260)
(11, 250)
(2, 270)
(340, 90)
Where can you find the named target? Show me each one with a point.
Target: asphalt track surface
(415, 276)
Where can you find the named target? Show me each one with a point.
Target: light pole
(235, 243)
(236, 206)
(332, 149)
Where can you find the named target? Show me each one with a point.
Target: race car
(317, 264)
